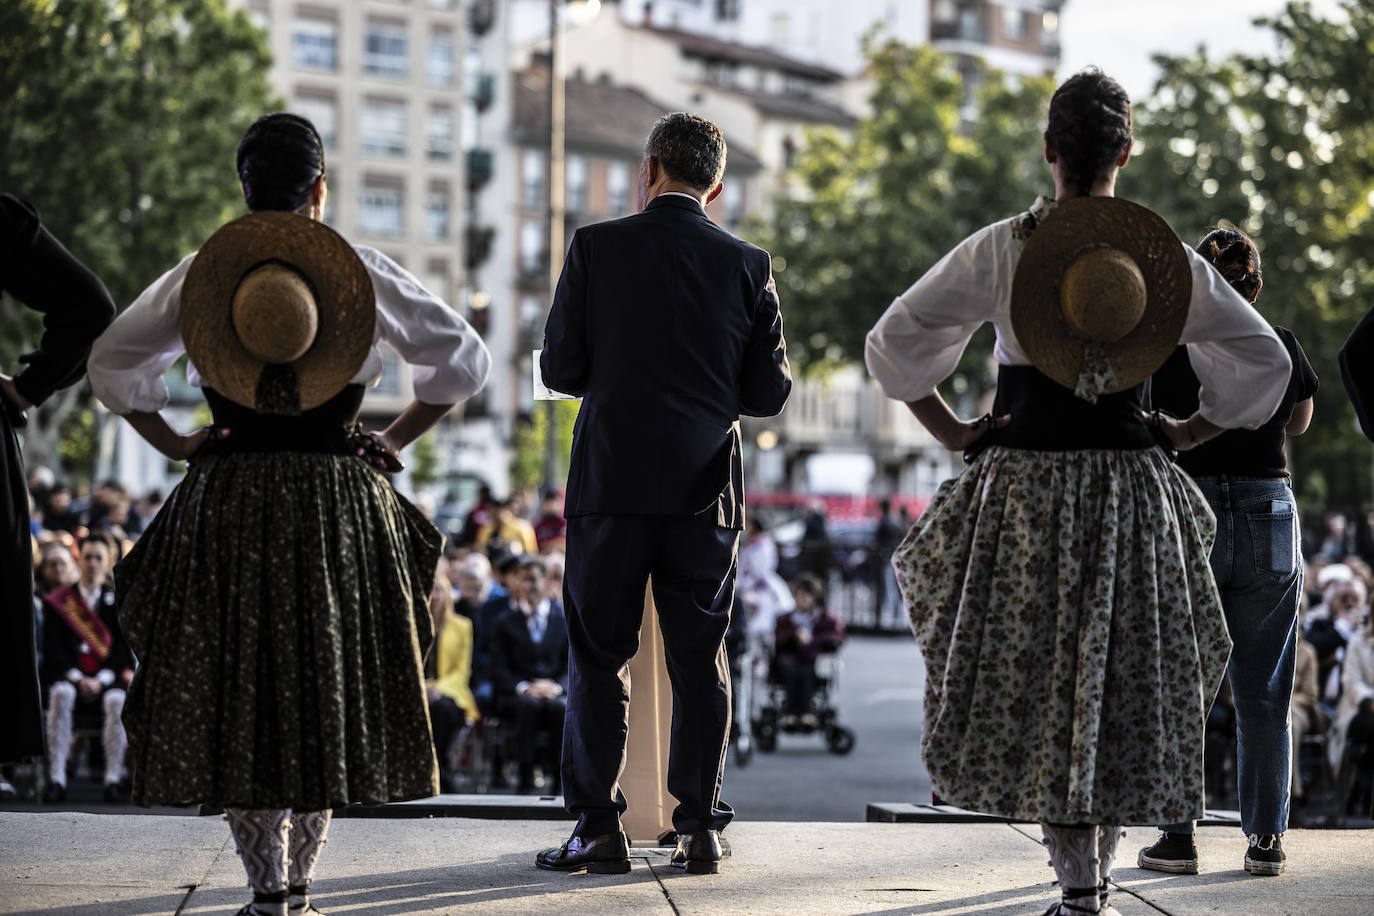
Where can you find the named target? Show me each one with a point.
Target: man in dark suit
(668, 328)
(529, 669)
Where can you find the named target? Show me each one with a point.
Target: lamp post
(581, 12)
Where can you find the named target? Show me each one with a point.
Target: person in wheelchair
(800, 635)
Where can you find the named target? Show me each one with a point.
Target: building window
(532, 261)
(533, 196)
(382, 212)
(439, 134)
(386, 50)
(727, 10)
(315, 43)
(323, 112)
(383, 128)
(576, 172)
(436, 280)
(1013, 23)
(732, 197)
(436, 213)
(618, 187)
(439, 66)
(260, 14)
(389, 385)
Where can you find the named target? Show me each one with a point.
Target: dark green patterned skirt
(278, 607)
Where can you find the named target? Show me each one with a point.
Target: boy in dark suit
(668, 328)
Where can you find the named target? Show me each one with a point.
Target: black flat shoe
(55, 793)
(596, 855)
(698, 853)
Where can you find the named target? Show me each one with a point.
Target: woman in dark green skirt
(278, 602)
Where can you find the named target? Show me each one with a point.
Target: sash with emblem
(96, 638)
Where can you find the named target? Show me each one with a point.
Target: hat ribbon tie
(1096, 376)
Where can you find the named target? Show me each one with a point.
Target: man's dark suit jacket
(668, 328)
(516, 657)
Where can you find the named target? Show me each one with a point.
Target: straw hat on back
(1100, 295)
(277, 312)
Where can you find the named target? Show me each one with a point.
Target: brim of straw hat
(1069, 229)
(343, 295)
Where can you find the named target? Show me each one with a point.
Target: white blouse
(450, 360)
(1241, 364)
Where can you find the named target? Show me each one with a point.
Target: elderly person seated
(1350, 742)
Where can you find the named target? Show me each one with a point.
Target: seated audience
(472, 583)
(86, 662)
(447, 670)
(801, 634)
(1351, 738)
(529, 667)
(515, 534)
(550, 528)
(1307, 717)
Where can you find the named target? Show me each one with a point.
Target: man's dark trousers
(609, 561)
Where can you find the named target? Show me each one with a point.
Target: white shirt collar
(695, 200)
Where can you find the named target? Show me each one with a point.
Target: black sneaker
(1175, 853)
(1265, 856)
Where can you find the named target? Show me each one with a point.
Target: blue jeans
(1258, 566)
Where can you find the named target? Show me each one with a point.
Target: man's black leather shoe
(698, 853)
(596, 855)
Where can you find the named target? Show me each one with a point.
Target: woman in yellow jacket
(447, 671)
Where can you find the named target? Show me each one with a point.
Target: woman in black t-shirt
(1257, 560)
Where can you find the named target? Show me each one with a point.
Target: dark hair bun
(1089, 126)
(1234, 255)
(279, 160)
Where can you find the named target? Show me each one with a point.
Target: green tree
(1282, 147)
(881, 207)
(527, 459)
(119, 122)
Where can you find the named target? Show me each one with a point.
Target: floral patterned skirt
(278, 608)
(1073, 636)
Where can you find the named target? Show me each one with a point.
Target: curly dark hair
(1089, 126)
(1234, 255)
(689, 148)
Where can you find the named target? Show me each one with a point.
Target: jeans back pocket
(1274, 538)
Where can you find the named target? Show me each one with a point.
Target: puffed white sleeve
(449, 361)
(128, 361)
(1240, 362)
(917, 342)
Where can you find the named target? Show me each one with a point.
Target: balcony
(483, 91)
(481, 17)
(478, 241)
(480, 167)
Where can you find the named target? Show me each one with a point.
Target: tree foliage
(1283, 148)
(879, 208)
(118, 121)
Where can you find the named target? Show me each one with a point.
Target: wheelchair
(821, 715)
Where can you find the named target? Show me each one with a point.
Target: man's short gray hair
(689, 148)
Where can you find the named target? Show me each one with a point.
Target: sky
(1121, 37)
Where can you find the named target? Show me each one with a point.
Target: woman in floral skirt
(278, 603)
(1060, 588)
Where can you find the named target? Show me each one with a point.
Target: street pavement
(879, 697)
(130, 865)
